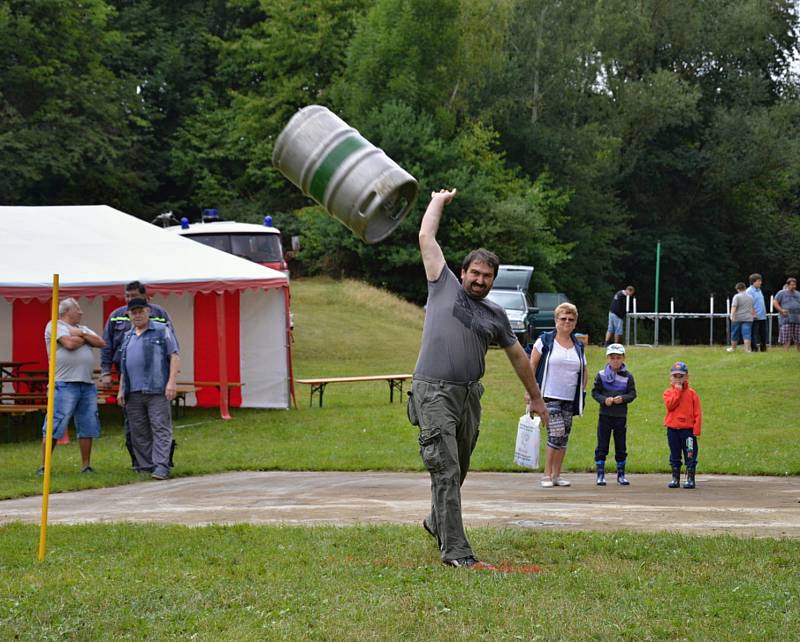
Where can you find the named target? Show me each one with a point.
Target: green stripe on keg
(319, 183)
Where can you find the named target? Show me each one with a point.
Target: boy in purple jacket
(614, 388)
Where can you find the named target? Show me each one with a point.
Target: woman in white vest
(559, 363)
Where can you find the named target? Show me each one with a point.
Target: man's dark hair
(755, 276)
(481, 255)
(136, 285)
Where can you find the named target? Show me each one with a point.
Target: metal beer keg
(356, 182)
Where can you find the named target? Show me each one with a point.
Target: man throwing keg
(460, 323)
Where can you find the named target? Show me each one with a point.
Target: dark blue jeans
(606, 426)
(678, 440)
(759, 335)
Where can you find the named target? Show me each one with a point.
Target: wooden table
(318, 384)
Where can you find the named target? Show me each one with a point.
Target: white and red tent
(221, 305)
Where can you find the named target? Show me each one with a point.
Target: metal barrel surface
(356, 182)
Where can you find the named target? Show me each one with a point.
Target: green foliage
(65, 130)
(578, 133)
(403, 50)
(284, 58)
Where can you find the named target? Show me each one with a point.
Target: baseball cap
(137, 303)
(679, 367)
(615, 348)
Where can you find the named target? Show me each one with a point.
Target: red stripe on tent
(109, 305)
(29, 320)
(206, 349)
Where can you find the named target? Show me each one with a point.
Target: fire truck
(258, 243)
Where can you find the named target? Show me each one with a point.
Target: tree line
(579, 133)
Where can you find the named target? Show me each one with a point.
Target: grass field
(140, 582)
(147, 582)
(752, 408)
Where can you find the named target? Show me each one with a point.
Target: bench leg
(320, 388)
(395, 384)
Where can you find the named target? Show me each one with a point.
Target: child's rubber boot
(676, 477)
(601, 473)
(621, 479)
(689, 483)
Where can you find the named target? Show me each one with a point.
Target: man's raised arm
(432, 255)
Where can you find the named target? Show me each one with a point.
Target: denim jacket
(116, 331)
(156, 358)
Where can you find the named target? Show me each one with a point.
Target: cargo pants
(448, 415)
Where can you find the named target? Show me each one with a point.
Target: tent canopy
(96, 249)
(231, 315)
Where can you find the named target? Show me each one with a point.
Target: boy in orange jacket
(684, 421)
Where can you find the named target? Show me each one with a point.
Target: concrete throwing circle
(744, 506)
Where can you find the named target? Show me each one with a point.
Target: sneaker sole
(477, 566)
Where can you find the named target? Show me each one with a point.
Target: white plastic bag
(527, 451)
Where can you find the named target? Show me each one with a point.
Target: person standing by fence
(787, 303)
(616, 315)
(759, 341)
(742, 313)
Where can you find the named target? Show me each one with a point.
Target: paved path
(746, 506)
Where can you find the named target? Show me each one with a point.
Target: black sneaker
(40, 471)
(87, 469)
(469, 562)
(431, 532)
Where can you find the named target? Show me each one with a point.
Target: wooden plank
(20, 409)
(353, 379)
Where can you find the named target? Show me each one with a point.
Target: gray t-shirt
(744, 307)
(71, 365)
(458, 331)
(789, 301)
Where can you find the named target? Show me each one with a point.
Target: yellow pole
(51, 387)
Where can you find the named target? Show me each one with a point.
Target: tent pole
(222, 343)
(289, 341)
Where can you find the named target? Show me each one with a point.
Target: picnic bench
(21, 409)
(13, 368)
(181, 390)
(22, 402)
(318, 384)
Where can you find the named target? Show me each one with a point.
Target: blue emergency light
(210, 214)
(268, 220)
